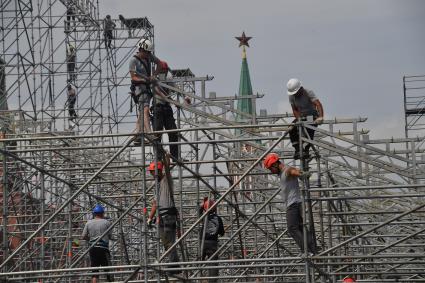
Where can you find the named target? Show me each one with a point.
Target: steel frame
(364, 198)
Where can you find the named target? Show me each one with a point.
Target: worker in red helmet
(161, 112)
(164, 203)
(291, 196)
(210, 230)
(348, 279)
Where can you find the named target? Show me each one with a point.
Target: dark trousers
(100, 257)
(167, 233)
(71, 70)
(295, 137)
(163, 119)
(210, 247)
(69, 16)
(294, 221)
(108, 38)
(71, 112)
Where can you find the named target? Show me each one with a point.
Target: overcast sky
(353, 54)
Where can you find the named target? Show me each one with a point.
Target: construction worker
(212, 228)
(348, 279)
(162, 113)
(141, 80)
(70, 15)
(99, 254)
(164, 203)
(304, 104)
(72, 98)
(71, 57)
(291, 196)
(109, 27)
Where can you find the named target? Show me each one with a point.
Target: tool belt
(100, 244)
(168, 216)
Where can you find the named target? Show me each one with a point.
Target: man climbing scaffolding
(140, 69)
(162, 113)
(164, 203)
(72, 99)
(291, 196)
(304, 104)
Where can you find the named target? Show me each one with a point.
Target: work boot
(297, 153)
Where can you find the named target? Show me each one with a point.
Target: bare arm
(153, 209)
(319, 107)
(293, 172)
(85, 235)
(138, 77)
(295, 111)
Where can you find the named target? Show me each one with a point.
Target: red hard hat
(348, 279)
(163, 66)
(152, 166)
(207, 203)
(270, 159)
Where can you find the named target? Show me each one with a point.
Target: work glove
(305, 174)
(318, 121)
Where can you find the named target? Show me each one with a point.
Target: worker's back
(95, 228)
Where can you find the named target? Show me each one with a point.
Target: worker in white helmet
(142, 80)
(304, 103)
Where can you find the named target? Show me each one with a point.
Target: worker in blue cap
(99, 253)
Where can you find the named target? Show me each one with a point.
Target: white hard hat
(293, 86)
(145, 44)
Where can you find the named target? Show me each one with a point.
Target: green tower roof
(245, 87)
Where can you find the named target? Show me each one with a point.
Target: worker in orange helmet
(164, 203)
(291, 196)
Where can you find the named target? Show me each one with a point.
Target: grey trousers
(168, 237)
(294, 221)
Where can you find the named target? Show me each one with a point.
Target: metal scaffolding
(364, 200)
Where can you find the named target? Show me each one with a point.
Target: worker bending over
(304, 104)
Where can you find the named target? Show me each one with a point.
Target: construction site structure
(364, 199)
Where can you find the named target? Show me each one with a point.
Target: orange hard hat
(152, 166)
(208, 203)
(270, 159)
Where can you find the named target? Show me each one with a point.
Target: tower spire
(245, 105)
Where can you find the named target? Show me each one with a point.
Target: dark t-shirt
(303, 102)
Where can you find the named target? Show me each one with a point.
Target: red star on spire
(243, 40)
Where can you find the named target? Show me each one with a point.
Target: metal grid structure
(414, 104)
(364, 198)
